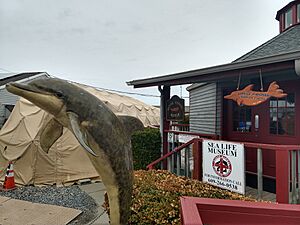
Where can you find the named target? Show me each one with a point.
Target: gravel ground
(71, 197)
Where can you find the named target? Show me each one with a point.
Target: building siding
(219, 109)
(2, 115)
(7, 98)
(203, 109)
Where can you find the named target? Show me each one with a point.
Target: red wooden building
(276, 121)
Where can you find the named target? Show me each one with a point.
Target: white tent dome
(66, 161)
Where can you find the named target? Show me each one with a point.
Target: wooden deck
(267, 196)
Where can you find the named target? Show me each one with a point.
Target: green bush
(146, 147)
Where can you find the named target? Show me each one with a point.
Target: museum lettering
(222, 149)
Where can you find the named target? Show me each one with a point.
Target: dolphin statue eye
(59, 94)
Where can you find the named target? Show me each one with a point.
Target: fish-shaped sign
(251, 98)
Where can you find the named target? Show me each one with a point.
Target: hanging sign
(224, 165)
(251, 98)
(175, 109)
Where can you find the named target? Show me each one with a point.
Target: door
(275, 122)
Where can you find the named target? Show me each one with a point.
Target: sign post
(224, 165)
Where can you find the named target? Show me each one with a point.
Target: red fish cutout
(252, 98)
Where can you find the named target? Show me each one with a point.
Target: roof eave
(205, 73)
(21, 77)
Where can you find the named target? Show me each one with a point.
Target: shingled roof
(10, 77)
(286, 42)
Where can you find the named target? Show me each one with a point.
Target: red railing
(283, 155)
(152, 165)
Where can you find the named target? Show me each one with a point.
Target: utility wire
(113, 90)
(130, 93)
(5, 70)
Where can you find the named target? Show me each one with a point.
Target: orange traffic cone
(9, 182)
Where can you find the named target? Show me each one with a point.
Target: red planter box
(203, 211)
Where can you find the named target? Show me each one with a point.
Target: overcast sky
(105, 43)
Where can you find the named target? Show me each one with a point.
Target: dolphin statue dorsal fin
(51, 132)
(249, 87)
(78, 134)
(131, 124)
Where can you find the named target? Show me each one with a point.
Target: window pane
(273, 102)
(288, 18)
(248, 114)
(298, 13)
(290, 121)
(291, 100)
(241, 118)
(282, 115)
(281, 102)
(273, 115)
(273, 121)
(281, 120)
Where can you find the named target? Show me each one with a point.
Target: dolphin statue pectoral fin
(78, 134)
(51, 132)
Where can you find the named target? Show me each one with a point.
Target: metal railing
(181, 162)
(175, 162)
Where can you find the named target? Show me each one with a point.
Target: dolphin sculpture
(100, 132)
(251, 98)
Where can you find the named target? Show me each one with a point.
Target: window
(298, 13)
(282, 115)
(288, 18)
(241, 118)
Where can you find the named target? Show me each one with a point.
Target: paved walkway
(266, 196)
(96, 191)
(19, 212)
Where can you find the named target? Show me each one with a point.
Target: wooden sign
(175, 109)
(251, 98)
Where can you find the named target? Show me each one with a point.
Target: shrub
(146, 147)
(156, 196)
(156, 193)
